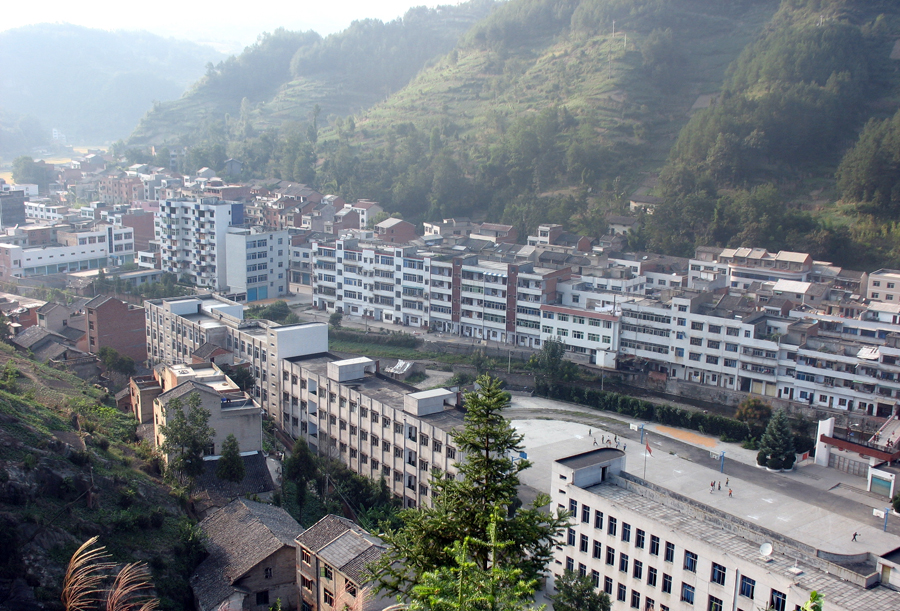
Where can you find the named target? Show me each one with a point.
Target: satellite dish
(765, 549)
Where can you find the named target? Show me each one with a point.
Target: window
(585, 514)
(595, 579)
(304, 556)
(262, 598)
(607, 585)
(573, 507)
(570, 537)
(585, 542)
(597, 549)
(639, 538)
(622, 592)
(611, 527)
(635, 599)
(350, 588)
(582, 570)
(267, 572)
(451, 453)
(598, 519)
(690, 561)
(623, 563)
(654, 545)
(778, 601)
(715, 604)
(327, 572)
(651, 576)
(638, 570)
(306, 583)
(649, 604)
(747, 586)
(667, 584)
(570, 564)
(718, 574)
(610, 556)
(328, 597)
(626, 532)
(687, 593)
(670, 552)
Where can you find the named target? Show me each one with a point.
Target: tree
(463, 507)
(336, 319)
(242, 376)
(230, 467)
(814, 603)
(776, 448)
(187, 436)
(550, 366)
(465, 586)
(300, 468)
(577, 593)
(754, 412)
(113, 361)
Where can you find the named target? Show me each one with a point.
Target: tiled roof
(239, 537)
(257, 480)
(206, 350)
(343, 544)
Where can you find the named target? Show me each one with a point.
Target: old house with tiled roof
(251, 561)
(332, 560)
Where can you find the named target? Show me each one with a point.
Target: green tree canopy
(463, 506)
(776, 448)
(577, 593)
(230, 467)
(550, 365)
(187, 435)
(755, 412)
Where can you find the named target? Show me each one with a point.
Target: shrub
(30, 462)
(896, 502)
(789, 461)
(157, 518)
(761, 458)
(776, 462)
(80, 458)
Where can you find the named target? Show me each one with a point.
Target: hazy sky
(227, 25)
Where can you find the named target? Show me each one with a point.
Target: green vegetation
(550, 366)
(576, 593)
(278, 311)
(776, 448)
(186, 436)
(464, 508)
(113, 361)
(230, 467)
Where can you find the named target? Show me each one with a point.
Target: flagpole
(645, 457)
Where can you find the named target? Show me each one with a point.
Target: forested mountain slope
(285, 75)
(758, 166)
(91, 84)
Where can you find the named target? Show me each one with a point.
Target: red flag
(648, 449)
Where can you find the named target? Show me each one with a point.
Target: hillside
(69, 470)
(285, 75)
(92, 85)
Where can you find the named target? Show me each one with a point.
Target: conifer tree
(776, 448)
(463, 506)
(230, 467)
(576, 593)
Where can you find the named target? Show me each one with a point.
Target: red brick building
(116, 324)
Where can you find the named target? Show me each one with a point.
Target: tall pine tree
(463, 507)
(776, 448)
(230, 467)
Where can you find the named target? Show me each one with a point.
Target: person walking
(720, 485)
(855, 535)
(726, 481)
(729, 493)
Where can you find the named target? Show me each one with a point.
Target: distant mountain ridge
(93, 85)
(284, 75)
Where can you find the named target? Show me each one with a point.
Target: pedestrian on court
(855, 535)
(624, 446)
(589, 433)
(726, 481)
(617, 444)
(720, 485)
(602, 438)
(729, 493)
(595, 442)
(609, 442)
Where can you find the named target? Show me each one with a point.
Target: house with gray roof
(251, 559)
(333, 556)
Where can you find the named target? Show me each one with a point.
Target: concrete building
(884, 285)
(192, 235)
(650, 546)
(12, 207)
(178, 326)
(232, 411)
(375, 425)
(395, 231)
(256, 263)
(332, 556)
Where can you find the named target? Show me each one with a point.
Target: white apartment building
(378, 427)
(256, 262)
(884, 284)
(72, 251)
(746, 265)
(653, 548)
(192, 235)
(177, 326)
(44, 211)
(583, 331)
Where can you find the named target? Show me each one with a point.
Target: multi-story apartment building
(43, 211)
(746, 265)
(192, 238)
(73, 250)
(655, 548)
(177, 326)
(377, 426)
(884, 285)
(256, 262)
(12, 207)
